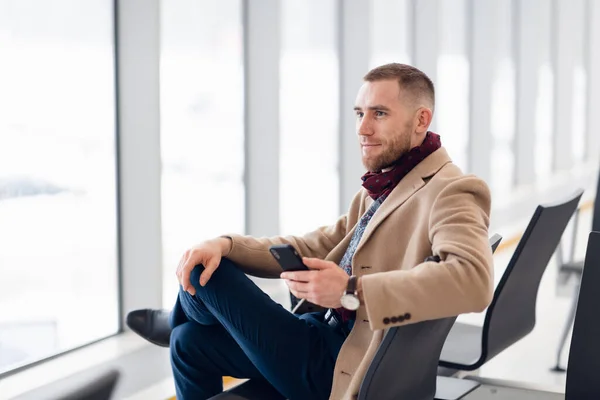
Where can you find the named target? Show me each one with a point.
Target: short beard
(399, 146)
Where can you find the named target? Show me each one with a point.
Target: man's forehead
(378, 92)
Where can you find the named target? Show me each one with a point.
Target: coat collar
(409, 185)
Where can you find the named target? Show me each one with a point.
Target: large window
(452, 89)
(544, 97)
(503, 104)
(202, 126)
(579, 77)
(309, 99)
(58, 231)
(391, 32)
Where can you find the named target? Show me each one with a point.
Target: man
(414, 204)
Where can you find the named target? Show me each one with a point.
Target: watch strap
(352, 283)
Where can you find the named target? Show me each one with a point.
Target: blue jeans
(230, 327)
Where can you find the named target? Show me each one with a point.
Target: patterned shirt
(346, 262)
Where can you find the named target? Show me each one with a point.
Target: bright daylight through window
(202, 126)
(58, 223)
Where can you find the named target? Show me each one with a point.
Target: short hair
(413, 80)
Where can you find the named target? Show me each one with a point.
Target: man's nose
(364, 128)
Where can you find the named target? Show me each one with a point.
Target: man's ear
(423, 118)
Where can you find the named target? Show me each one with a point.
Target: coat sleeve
(253, 257)
(461, 282)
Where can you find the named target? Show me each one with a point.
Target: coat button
(394, 320)
(401, 318)
(407, 316)
(386, 320)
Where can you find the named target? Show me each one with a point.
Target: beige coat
(434, 210)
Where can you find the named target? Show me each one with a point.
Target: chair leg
(567, 329)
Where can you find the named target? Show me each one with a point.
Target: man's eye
(359, 114)
(379, 113)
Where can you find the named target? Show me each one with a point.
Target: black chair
(412, 376)
(574, 268)
(584, 356)
(404, 367)
(100, 387)
(86, 385)
(511, 315)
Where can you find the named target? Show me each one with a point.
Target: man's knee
(222, 270)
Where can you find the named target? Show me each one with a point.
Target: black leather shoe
(152, 325)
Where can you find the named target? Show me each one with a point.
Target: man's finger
(179, 267)
(296, 294)
(209, 268)
(300, 276)
(190, 263)
(300, 287)
(299, 294)
(187, 285)
(316, 263)
(185, 275)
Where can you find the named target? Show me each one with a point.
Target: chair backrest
(511, 314)
(584, 356)
(596, 217)
(406, 362)
(98, 387)
(90, 384)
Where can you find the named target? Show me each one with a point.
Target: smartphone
(287, 257)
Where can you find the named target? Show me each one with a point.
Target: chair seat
(447, 372)
(462, 347)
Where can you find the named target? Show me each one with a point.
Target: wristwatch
(350, 299)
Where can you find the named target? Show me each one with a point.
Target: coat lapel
(409, 185)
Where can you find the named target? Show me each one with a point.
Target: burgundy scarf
(382, 183)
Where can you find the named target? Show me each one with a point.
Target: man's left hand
(324, 285)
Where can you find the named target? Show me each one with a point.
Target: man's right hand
(208, 254)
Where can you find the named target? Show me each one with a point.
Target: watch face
(350, 302)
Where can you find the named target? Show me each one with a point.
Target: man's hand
(323, 286)
(208, 254)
